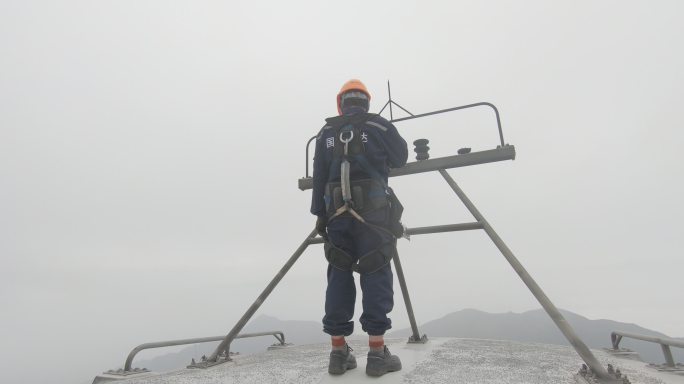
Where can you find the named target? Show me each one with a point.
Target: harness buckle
(351, 136)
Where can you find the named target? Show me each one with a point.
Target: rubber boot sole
(344, 368)
(379, 371)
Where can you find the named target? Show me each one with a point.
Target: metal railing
(279, 335)
(481, 223)
(665, 343)
(502, 152)
(506, 152)
(392, 120)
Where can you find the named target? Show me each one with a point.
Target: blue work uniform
(384, 148)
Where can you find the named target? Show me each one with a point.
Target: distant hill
(536, 326)
(532, 326)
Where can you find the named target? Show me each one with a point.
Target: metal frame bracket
(587, 376)
(422, 340)
(665, 344)
(120, 374)
(205, 363)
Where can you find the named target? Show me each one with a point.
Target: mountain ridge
(533, 326)
(536, 326)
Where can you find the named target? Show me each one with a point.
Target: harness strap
(346, 135)
(347, 208)
(366, 264)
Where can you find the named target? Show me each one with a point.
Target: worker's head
(353, 96)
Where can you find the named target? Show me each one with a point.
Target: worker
(357, 217)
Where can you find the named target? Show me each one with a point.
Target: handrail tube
(443, 228)
(536, 290)
(427, 230)
(484, 103)
(306, 163)
(665, 343)
(279, 335)
(225, 344)
(653, 339)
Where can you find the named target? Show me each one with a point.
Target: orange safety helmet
(351, 85)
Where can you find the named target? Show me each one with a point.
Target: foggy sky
(149, 154)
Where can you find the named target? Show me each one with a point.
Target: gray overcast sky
(149, 152)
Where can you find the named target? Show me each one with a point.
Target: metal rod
(279, 335)
(281, 340)
(496, 112)
(443, 228)
(307, 155)
(390, 102)
(665, 343)
(447, 162)
(426, 230)
(404, 109)
(225, 344)
(660, 340)
(383, 108)
(615, 340)
(389, 93)
(407, 299)
(668, 355)
(536, 290)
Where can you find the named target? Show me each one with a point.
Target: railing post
(669, 360)
(279, 335)
(665, 343)
(615, 340)
(415, 338)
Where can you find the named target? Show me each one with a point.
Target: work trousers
(358, 239)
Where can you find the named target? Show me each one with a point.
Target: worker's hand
(321, 223)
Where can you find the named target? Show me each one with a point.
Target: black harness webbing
(358, 195)
(354, 150)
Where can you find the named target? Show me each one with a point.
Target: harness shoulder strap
(355, 148)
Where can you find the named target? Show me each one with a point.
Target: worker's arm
(394, 145)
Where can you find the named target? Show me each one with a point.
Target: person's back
(354, 153)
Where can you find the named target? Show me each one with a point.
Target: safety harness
(358, 197)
